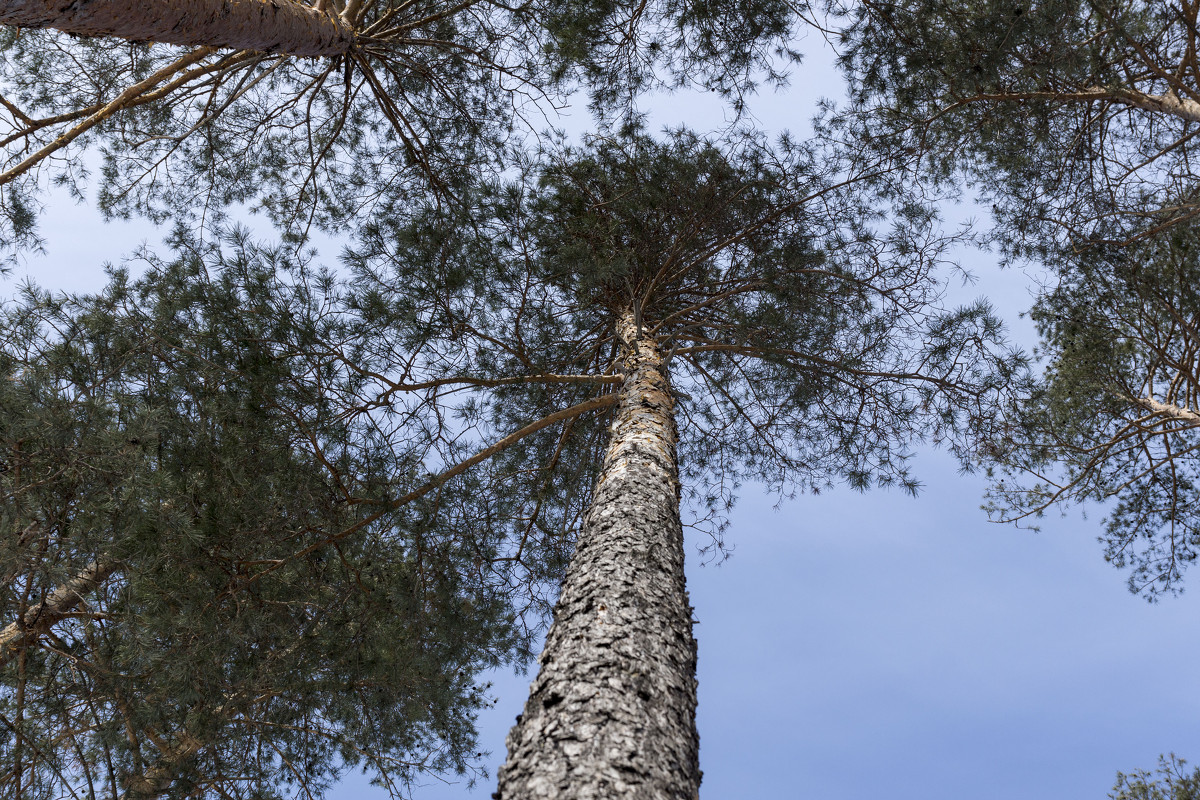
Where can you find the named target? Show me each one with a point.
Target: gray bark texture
(612, 713)
(274, 26)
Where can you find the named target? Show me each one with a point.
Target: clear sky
(857, 647)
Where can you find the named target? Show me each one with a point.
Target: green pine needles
(805, 338)
(261, 626)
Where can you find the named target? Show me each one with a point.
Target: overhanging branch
(281, 26)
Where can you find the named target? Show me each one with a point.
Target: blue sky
(865, 646)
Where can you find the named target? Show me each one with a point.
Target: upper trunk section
(276, 26)
(612, 712)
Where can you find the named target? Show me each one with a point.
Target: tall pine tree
(747, 314)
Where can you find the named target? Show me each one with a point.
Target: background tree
(223, 575)
(313, 112)
(1075, 119)
(753, 294)
(1113, 419)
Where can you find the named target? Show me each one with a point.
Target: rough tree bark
(274, 26)
(612, 712)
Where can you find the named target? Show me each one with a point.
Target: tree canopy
(413, 96)
(805, 336)
(257, 594)
(254, 449)
(1074, 117)
(1112, 420)
(1075, 121)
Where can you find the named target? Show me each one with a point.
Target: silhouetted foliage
(1172, 782)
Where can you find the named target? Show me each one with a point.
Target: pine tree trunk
(276, 26)
(612, 713)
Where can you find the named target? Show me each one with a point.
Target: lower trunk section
(612, 713)
(274, 26)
